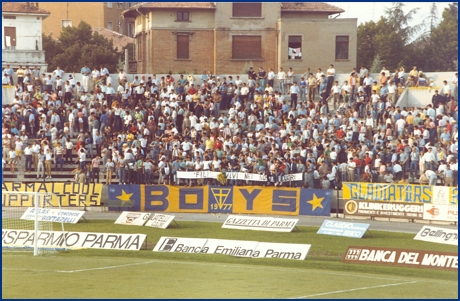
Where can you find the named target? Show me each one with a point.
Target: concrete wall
(28, 31)
(318, 43)
(23, 58)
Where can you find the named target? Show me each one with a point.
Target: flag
(315, 202)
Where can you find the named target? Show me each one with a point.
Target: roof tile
(209, 5)
(119, 40)
(22, 7)
(311, 7)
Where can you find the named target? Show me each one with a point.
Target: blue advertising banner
(221, 199)
(315, 202)
(337, 228)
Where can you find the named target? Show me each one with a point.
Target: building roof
(189, 5)
(318, 7)
(119, 40)
(198, 5)
(310, 7)
(23, 8)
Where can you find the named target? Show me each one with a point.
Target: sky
(368, 11)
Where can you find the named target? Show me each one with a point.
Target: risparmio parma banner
(73, 240)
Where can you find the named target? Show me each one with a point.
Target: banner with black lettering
(68, 194)
(73, 240)
(234, 176)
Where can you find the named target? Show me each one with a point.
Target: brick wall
(164, 50)
(224, 62)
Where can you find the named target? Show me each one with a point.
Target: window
(247, 10)
(139, 48)
(341, 47)
(295, 48)
(110, 25)
(9, 17)
(66, 23)
(10, 37)
(182, 46)
(120, 5)
(182, 16)
(246, 47)
(129, 29)
(109, 4)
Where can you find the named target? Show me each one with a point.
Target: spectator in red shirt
(359, 166)
(340, 133)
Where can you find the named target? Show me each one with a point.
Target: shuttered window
(182, 16)
(182, 46)
(246, 47)
(247, 10)
(341, 47)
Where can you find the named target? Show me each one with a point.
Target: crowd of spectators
(146, 130)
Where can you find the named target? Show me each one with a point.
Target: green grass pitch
(95, 273)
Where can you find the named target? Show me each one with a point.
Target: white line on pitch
(354, 289)
(107, 267)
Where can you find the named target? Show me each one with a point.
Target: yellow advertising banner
(172, 198)
(67, 194)
(400, 193)
(266, 200)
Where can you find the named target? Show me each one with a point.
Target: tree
(366, 45)
(52, 48)
(380, 38)
(376, 65)
(77, 46)
(444, 40)
(399, 44)
(400, 21)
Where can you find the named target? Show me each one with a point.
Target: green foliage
(77, 46)
(397, 43)
(400, 21)
(376, 65)
(444, 40)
